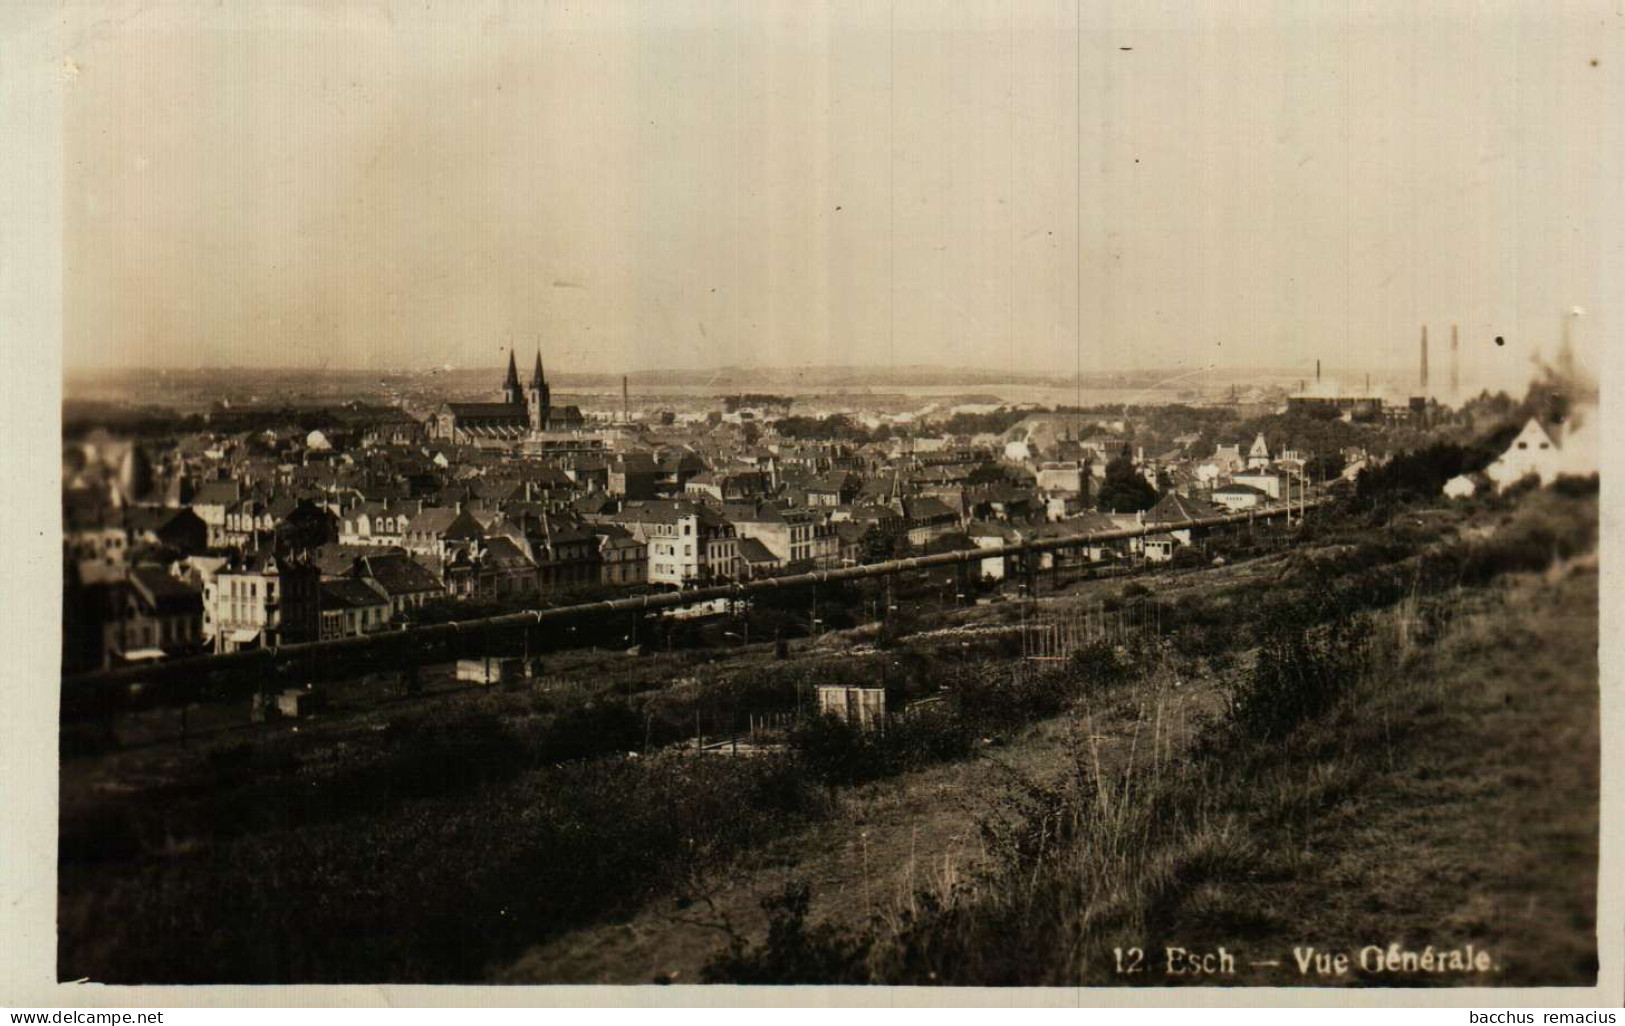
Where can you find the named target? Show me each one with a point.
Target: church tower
(540, 397)
(510, 388)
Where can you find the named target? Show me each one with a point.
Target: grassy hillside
(1386, 782)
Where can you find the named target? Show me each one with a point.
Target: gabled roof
(751, 550)
(397, 574)
(1072, 527)
(350, 593)
(614, 535)
(1533, 433)
(154, 518)
(1175, 507)
(337, 560)
(992, 529)
(463, 527)
(753, 513)
(217, 493)
(432, 520)
(837, 481)
(502, 553)
(163, 593)
(926, 507)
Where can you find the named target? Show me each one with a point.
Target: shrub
(1574, 487)
(837, 753)
(793, 952)
(1099, 665)
(1309, 655)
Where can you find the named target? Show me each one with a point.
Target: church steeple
(539, 398)
(510, 387)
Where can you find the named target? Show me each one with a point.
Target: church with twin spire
(522, 414)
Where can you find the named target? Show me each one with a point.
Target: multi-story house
(376, 523)
(565, 552)
(796, 537)
(210, 502)
(687, 543)
(435, 531)
(622, 559)
(160, 612)
(406, 583)
(634, 475)
(352, 606)
(263, 600)
(251, 519)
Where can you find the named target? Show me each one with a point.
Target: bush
(1574, 487)
(837, 753)
(433, 757)
(794, 952)
(1309, 655)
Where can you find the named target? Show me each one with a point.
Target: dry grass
(1450, 798)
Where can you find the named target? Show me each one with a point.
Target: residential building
(262, 600)
(1236, 497)
(352, 606)
(405, 583)
(622, 559)
(687, 543)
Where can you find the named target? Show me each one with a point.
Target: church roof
(486, 411)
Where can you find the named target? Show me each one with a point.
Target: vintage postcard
(1094, 499)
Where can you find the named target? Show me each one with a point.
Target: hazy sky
(680, 184)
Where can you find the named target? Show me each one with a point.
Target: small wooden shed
(863, 707)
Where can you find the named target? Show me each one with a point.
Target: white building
(1460, 487)
(1533, 452)
(1258, 457)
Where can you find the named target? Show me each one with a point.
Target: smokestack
(626, 403)
(1317, 372)
(1424, 359)
(1368, 383)
(1455, 361)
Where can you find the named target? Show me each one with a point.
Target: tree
(1325, 466)
(1124, 489)
(880, 546)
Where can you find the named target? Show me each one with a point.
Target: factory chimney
(1424, 359)
(626, 403)
(1317, 372)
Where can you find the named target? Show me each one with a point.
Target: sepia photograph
(1013, 494)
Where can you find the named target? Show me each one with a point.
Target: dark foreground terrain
(1381, 738)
